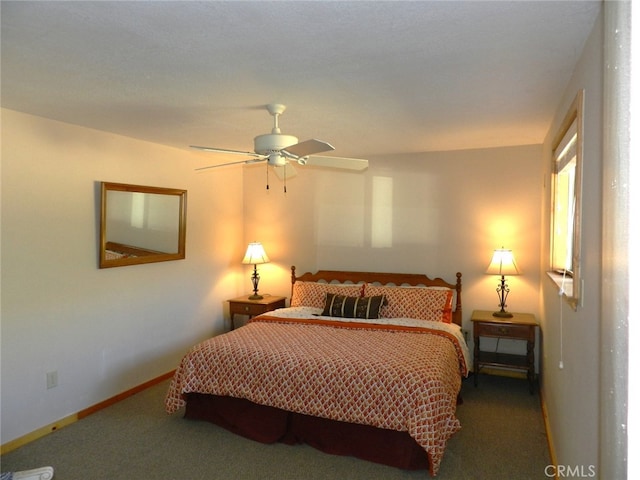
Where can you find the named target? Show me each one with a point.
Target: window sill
(565, 287)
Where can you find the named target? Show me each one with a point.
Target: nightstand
(522, 326)
(244, 306)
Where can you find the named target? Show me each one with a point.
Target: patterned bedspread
(393, 376)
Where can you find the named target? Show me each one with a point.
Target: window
(566, 176)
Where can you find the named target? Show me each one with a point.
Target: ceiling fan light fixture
(277, 160)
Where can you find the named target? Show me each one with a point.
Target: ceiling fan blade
(357, 164)
(224, 150)
(252, 160)
(285, 171)
(308, 147)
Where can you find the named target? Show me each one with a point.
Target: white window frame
(566, 204)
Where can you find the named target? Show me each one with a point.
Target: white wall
(571, 393)
(443, 212)
(103, 331)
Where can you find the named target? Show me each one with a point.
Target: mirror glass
(140, 224)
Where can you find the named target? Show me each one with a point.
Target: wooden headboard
(339, 276)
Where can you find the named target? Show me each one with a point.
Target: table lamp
(503, 263)
(255, 255)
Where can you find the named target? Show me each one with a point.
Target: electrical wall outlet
(52, 379)
(465, 333)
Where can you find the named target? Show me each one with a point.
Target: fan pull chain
(267, 176)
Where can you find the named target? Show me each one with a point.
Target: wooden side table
(522, 326)
(244, 306)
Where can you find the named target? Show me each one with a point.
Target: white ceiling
(369, 77)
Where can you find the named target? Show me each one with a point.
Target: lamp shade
(255, 254)
(503, 263)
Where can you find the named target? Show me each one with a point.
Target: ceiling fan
(278, 150)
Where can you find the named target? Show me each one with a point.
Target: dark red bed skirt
(269, 425)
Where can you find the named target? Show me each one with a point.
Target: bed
(362, 364)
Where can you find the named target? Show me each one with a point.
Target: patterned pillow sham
(424, 303)
(312, 294)
(353, 307)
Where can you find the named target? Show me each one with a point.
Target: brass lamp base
(255, 278)
(503, 291)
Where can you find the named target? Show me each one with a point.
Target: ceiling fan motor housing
(273, 143)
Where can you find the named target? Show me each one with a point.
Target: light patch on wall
(340, 209)
(417, 209)
(382, 212)
(501, 230)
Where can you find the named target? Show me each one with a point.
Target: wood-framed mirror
(141, 224)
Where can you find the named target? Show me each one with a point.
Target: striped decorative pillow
(353, 307)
